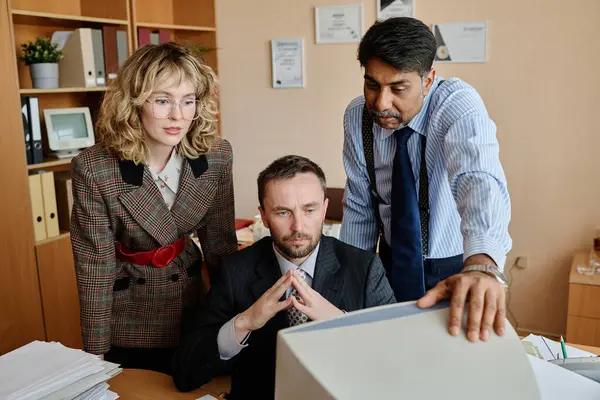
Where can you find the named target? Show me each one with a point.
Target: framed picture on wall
(287, 59)
(395, 8)
(339, 24)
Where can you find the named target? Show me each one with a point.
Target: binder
(49, 199)
(143, 36)
(111, 56)
(77, 68)
(122, 47)
(37, 207)
(64, 199)
(98, 49)
(31, 111)
(154, 38)
(164, 36)
(26, 130)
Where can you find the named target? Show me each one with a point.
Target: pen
(562, 345)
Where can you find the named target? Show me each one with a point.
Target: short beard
(291, 251)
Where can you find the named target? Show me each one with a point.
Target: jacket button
(174, 277)
(141, 281)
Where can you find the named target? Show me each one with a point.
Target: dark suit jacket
(348, 277)
(117, 201)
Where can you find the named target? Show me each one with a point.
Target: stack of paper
(554, 381)
(51, 371)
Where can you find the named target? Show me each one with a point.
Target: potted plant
(42, 57)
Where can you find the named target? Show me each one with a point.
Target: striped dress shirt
(468, 197)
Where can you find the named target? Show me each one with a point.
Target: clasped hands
(315, 306)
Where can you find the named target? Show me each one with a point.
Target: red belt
(158, 258)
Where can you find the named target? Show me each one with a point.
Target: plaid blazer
(117, 201)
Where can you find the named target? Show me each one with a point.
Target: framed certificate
(339, 24)
(395, 8)
(287, 58)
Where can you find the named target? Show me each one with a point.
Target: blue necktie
(407, 253)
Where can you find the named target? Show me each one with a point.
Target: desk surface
(138, 384)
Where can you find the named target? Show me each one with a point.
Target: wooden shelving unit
(25, 17)
(40, 287)
(177, 27)
(50, 162)
(34, 92)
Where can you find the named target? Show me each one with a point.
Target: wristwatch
(489, 269)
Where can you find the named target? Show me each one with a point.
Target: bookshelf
(40, 288)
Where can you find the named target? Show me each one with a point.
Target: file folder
(49, 198)
(37, 207)
(77, 68)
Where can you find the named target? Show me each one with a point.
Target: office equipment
(398, 351)
(64, 199)
(98, 51)
(37, 207)
(585, 366)
(30, 108)
(26, 131)
(69, 130)
(556, 383)
(77, 68)
(562, 346)
(49, 200)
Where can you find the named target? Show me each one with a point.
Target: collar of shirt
(171, 172)
(307, 266)
(417, 124)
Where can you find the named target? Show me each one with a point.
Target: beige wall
(540, 86)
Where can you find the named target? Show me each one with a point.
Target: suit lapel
(145, 204)
(327, 280)
(194, 195)
(267, 270)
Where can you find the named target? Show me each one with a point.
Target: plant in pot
(42, 57)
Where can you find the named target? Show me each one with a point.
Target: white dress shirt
(168, 179)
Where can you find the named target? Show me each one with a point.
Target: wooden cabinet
(38, 290)
(20, 303)
(583, 316)
(59, 291)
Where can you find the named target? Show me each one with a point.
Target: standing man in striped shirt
(425, 180)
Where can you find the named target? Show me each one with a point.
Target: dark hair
(405, 43)
(288, 167)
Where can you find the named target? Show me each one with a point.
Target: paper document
(549, 349)
(51, 371)
(557, 383)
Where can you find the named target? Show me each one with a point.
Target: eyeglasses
(162, 107)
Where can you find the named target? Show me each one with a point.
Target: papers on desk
(550, 349)
(555, 382)
(399, 351)
(51, 371)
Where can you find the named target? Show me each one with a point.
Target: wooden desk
(583, 316)
(138, 384)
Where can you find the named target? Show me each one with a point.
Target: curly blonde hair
(119, 128)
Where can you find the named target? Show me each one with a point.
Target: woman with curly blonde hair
(157, 174)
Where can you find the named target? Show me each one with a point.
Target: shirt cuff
(227, 342)
(485, 245)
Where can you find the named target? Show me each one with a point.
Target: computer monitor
(69, 130)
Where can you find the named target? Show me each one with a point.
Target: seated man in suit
(292, 276)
